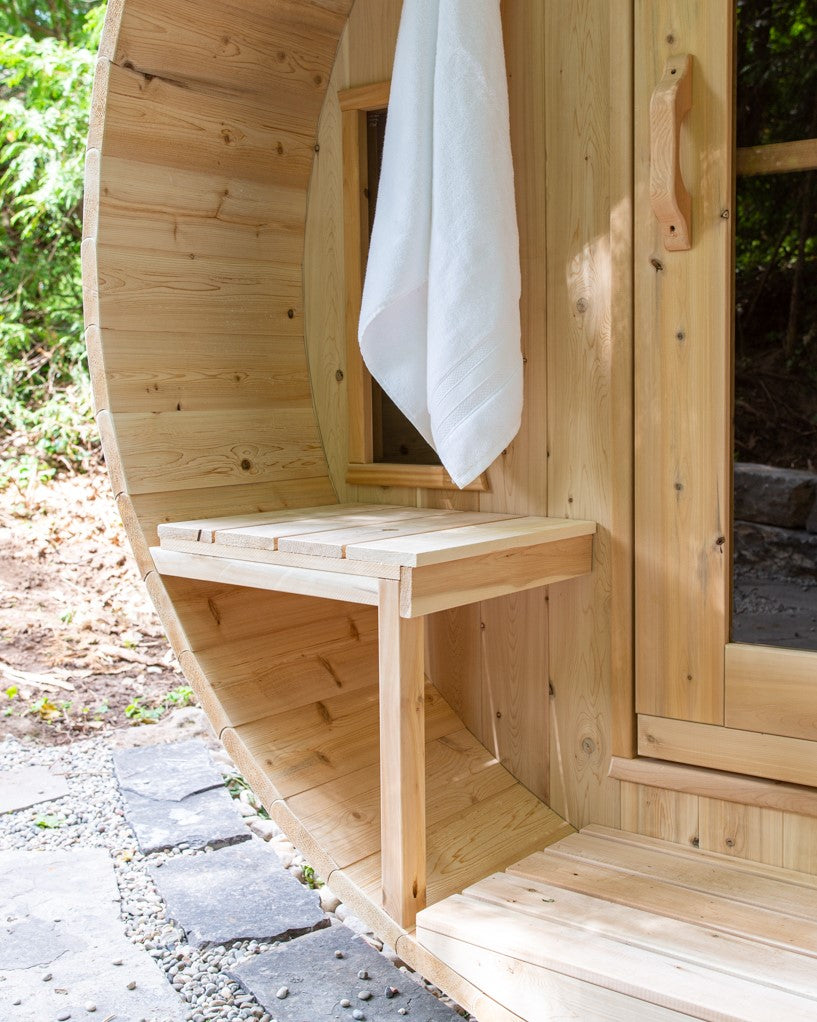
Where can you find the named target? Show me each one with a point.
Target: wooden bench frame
(469, 558)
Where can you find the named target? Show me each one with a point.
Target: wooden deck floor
(605, 926)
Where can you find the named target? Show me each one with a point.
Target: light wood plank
(278, 56)
(470, 541)
(739, 830)
(683, 318)
(355, 247)
(546, 995)
(203, 530)
(365, 97)
(622, 437)
(762, 755)
(800, 843)
(414, 522)
(155, 120)
(162, 292)
(660, 813)
(189, 450)
(402, 759)
(155, 372)
(344, 815)
(436, 587)
(481, 839)
(772, 690)
(252, 679)
(143, 512)
(701, 874)
(324, 294)
(716, 784)
(786, 876)
(304, 748)
(214, 550)
(668, 899)
(427, 477)
(265, 535)
(682, 942)
(328, 585)
(645, 977)
(515, 699)
(778, 158)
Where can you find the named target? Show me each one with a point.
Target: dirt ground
(79, 639)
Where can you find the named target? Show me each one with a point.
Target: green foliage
(137, 713)
(49, 821)
(776, 238)
(47, 57)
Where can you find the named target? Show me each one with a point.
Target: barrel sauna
(354, 624)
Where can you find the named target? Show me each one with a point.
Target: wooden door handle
(670, 199)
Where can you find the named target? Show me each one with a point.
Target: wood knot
(246, 464)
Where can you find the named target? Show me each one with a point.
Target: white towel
(439, 323)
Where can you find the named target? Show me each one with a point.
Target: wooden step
(604, 925)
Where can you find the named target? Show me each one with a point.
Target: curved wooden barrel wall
(213, 264)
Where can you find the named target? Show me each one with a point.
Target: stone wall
(775, 531)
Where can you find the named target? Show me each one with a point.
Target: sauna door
(700, 697)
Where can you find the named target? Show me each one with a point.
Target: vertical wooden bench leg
(402, 759)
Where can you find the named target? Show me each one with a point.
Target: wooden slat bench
(408, 562)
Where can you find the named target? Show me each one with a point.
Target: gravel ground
(92, 815)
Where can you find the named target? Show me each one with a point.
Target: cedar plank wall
(491, 660)
(570, 79)
(200, 151)
(198, 183)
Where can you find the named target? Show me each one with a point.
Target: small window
(384, 447)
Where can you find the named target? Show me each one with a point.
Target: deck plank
(699, 945)
(644, 976)
(668, 899)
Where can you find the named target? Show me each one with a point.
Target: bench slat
(335, 542)
(469, 541)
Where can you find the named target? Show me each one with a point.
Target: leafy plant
(47, 57)
(311, 878)
(235, 784)
(49, 822)
(183, 695)
(137, 713)
(46, 710)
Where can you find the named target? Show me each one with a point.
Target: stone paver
(317, 982)
(206, 818)
(240, 892)
(61, 932)
(166, 772)
(29, 786)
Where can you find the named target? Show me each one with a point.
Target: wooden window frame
(361, 467)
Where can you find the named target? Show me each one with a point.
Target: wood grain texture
(772, 690)
(660, 813)
(169, 451)
(730, 787)
(683, 303)
(143, 512)
(257, 575)
(722, 748)
(778, 158)
(622, 446)
(402, 760)
(158, 120)
(749, 832)
(429, 477)
(580, 413)
(434, 587)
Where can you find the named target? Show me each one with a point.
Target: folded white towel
(439, 323)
